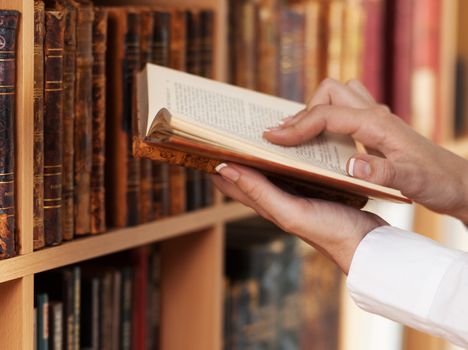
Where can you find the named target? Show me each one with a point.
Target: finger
(332, 92)
(377, 170)
(361, 90)
(369, 126)
(276, 203)
(231, 190)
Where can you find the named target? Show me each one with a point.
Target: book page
(241, 114)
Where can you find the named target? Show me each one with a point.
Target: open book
(196, 122)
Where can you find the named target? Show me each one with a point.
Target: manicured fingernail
(359, 168)
(228, 172)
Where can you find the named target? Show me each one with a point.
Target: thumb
(374, 169)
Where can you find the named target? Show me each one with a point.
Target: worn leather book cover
(83, 115)
(38, 197)
(69, 65)
(9, 20)
(207, 22)
(193, 177)
(122, 169)
(177, 61)
(290, 67)
(140, 285)
(53, 125)
(98, 206)
(160, 55)
(146, 180)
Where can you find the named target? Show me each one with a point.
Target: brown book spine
(160, 55)
(291, 53)
(207, 19)
(122, 169)
(267, 46)
(177, 61)
(131, 67)
(8, 33)
(53, 125)
(98, 210)
(69, 57)
(83, 116)
(39, 29)
(146, 165)
(193, 177)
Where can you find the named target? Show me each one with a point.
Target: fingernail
(227, 172)
(359, 168)
(274, 128)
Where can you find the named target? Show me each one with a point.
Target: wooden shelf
(113, 241)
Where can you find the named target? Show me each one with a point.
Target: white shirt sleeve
(412, 280)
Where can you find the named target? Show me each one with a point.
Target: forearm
(413, 280)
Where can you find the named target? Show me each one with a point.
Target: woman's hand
(332, 228)
(421, 170)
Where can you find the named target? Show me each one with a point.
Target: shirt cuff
(396, 274)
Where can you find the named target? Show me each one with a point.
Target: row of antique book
(286, 48)
(107, 303)
(279, 292)
(85, 61)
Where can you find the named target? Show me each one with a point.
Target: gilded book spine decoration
(98, 220)
(83, 116)
(38, 204)
(69, 57)
(53, 125)
(8, 32)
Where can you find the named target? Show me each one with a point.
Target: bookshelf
(191, 244)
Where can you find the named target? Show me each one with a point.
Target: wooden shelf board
(94, 246)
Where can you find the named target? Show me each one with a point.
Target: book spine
(69, 56)
(105, 330)
(8, 33)
(373, 74)
(98, 210)
(193, 180)
(177, 61)
(42, 321)
(76, 307)
(146, 185)
(95, 316)
(140, 297)
(267, 46)
(207, 19)
(53, 126)
(154, 299)
(160, 55)
(83, 116)
(131, 66)
(39, 29)
(352, 38)
(335, 17)
(56, 325)
(115, 304)
(425, 78)
(312, 48)
(126, 310)
(291, 53)
(402, 62)
(68, 309)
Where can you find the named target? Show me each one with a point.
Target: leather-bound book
(146, 165)
(160, 55)
(267, 46)
(83, 115)
(334, 13)
(98, 205)
(290, 69)
(38, 200)
(207, 23)
(69, 65)
(177, 61)
(122, 169)
(8, 32)
(193, 178)
(313, 46)
(53, 125)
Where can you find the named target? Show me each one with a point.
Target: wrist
(461, 210)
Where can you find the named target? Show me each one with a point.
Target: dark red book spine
(374, 41)
(8, 33)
